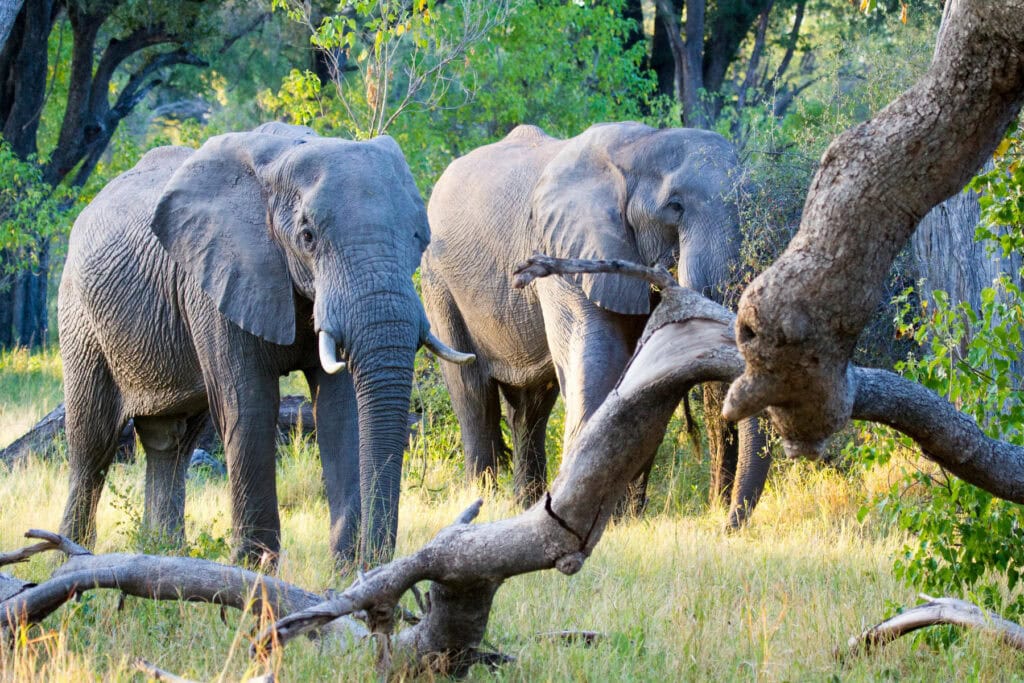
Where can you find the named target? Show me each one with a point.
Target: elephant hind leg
(93, 423)
(528, 412)
(168, 442)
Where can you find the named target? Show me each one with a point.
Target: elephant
(616, 191)
(196, 279)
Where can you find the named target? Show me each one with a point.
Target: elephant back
(481, 201)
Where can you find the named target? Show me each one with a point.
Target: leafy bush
(31, 211)
(966, 540)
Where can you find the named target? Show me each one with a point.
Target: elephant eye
(307, 239)
(675, 207)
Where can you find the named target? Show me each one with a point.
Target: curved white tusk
(445, 352)
(329, 354)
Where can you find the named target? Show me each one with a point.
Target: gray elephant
(199, 277)
(617, 191)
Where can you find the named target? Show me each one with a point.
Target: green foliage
(1002, 194)
(966, 540)
(386, 57)
(31, 211)
(557, 64)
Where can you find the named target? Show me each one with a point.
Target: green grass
(676, 597)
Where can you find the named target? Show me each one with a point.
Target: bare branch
(948, 611)
(156, 578)
(541, 265)
(51, 541)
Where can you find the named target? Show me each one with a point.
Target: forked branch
(688, 339)
(147, 576)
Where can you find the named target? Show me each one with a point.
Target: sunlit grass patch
(30, 387)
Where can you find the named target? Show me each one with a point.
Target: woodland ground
(678, 599)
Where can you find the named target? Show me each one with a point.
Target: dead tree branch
(687, 340)
(149, 576)
(948, 611)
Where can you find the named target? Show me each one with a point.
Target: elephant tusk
(445, 352)
(329, 354)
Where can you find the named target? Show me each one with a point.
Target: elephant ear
(579, 211)
(212, 220)
(414, 209)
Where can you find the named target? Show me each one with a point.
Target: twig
(541, 265)
(948, 611)
(584, 638)
(157, 674)
(51, 541)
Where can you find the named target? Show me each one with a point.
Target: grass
(677, 598)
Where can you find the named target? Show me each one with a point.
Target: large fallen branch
(144, 576)
(938, 611)
(295, 413)
(687, 340)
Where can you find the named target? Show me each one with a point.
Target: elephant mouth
(328, 347)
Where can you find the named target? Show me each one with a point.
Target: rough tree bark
(799, 320)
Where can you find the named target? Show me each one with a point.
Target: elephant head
(261, 217)
(628, 191)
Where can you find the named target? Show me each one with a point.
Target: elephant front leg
(337, 434)
(245, 412)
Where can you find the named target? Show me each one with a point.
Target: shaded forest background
(87, 86)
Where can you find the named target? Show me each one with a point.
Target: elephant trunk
(751, 471)
(709, 251)
(382, 368)
(378, 336)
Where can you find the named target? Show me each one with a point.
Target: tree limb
(800, 319)
(948, 611)
(156, 578)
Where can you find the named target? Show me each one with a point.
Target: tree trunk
(9, 10)
(799, 320)
(662, 61)
(29, 300)
(948, 258)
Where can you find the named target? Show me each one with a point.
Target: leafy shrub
(966, 540)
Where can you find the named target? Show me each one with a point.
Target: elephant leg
(93, 422)
(337, 434)
(751, 471)
(528, 412)
(589, 346)
(723, 442)
(244, 400)
(168, 442)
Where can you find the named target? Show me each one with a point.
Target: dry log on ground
(40, 440)
(145, 576)
(937, 611)
(296, 412)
